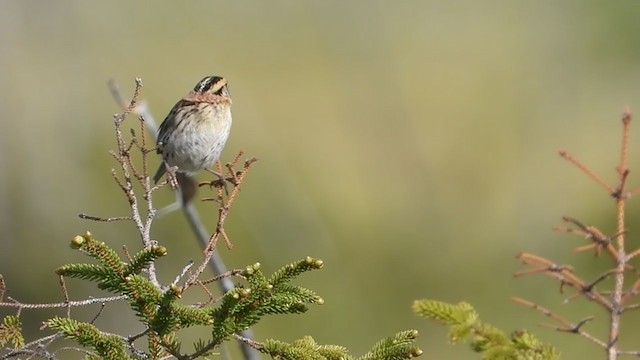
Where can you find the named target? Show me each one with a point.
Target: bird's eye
(224, 91)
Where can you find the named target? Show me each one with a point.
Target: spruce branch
(162, 313)
(11, 332)
(612, 289)
(108, 347)
(464, 325)
(397, 347)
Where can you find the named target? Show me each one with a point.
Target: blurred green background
(410, 145)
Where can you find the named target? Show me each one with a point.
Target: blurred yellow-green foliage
(411, 145)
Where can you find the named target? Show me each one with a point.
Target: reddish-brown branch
(567, 326)
(624, 152)
(613, 300)
(3, 288)
(586, 170)
(562, 273)
(592, 233)
(617, 304)
(633, 291)
(65, 293)
(225, 202)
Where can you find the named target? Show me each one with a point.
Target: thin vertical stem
(616, 296)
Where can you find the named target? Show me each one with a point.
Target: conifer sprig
(464, 325)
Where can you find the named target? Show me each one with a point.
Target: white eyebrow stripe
(218, 85)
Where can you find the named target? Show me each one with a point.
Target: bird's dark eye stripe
(208, 83)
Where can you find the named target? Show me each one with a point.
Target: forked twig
(567, 326)
(225, 203)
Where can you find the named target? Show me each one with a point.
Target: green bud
(77, 241)
(159, 250)
(177, 290)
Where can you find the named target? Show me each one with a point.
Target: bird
(195, 131)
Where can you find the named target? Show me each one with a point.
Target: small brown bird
(193, 135)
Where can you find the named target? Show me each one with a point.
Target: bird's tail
(185, 193)
(161, 170)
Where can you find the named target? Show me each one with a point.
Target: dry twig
(614, 301)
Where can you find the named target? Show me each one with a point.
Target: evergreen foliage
(494, 344)
(108, 347)
(396, 347)
(160, 310)
(11, 332)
